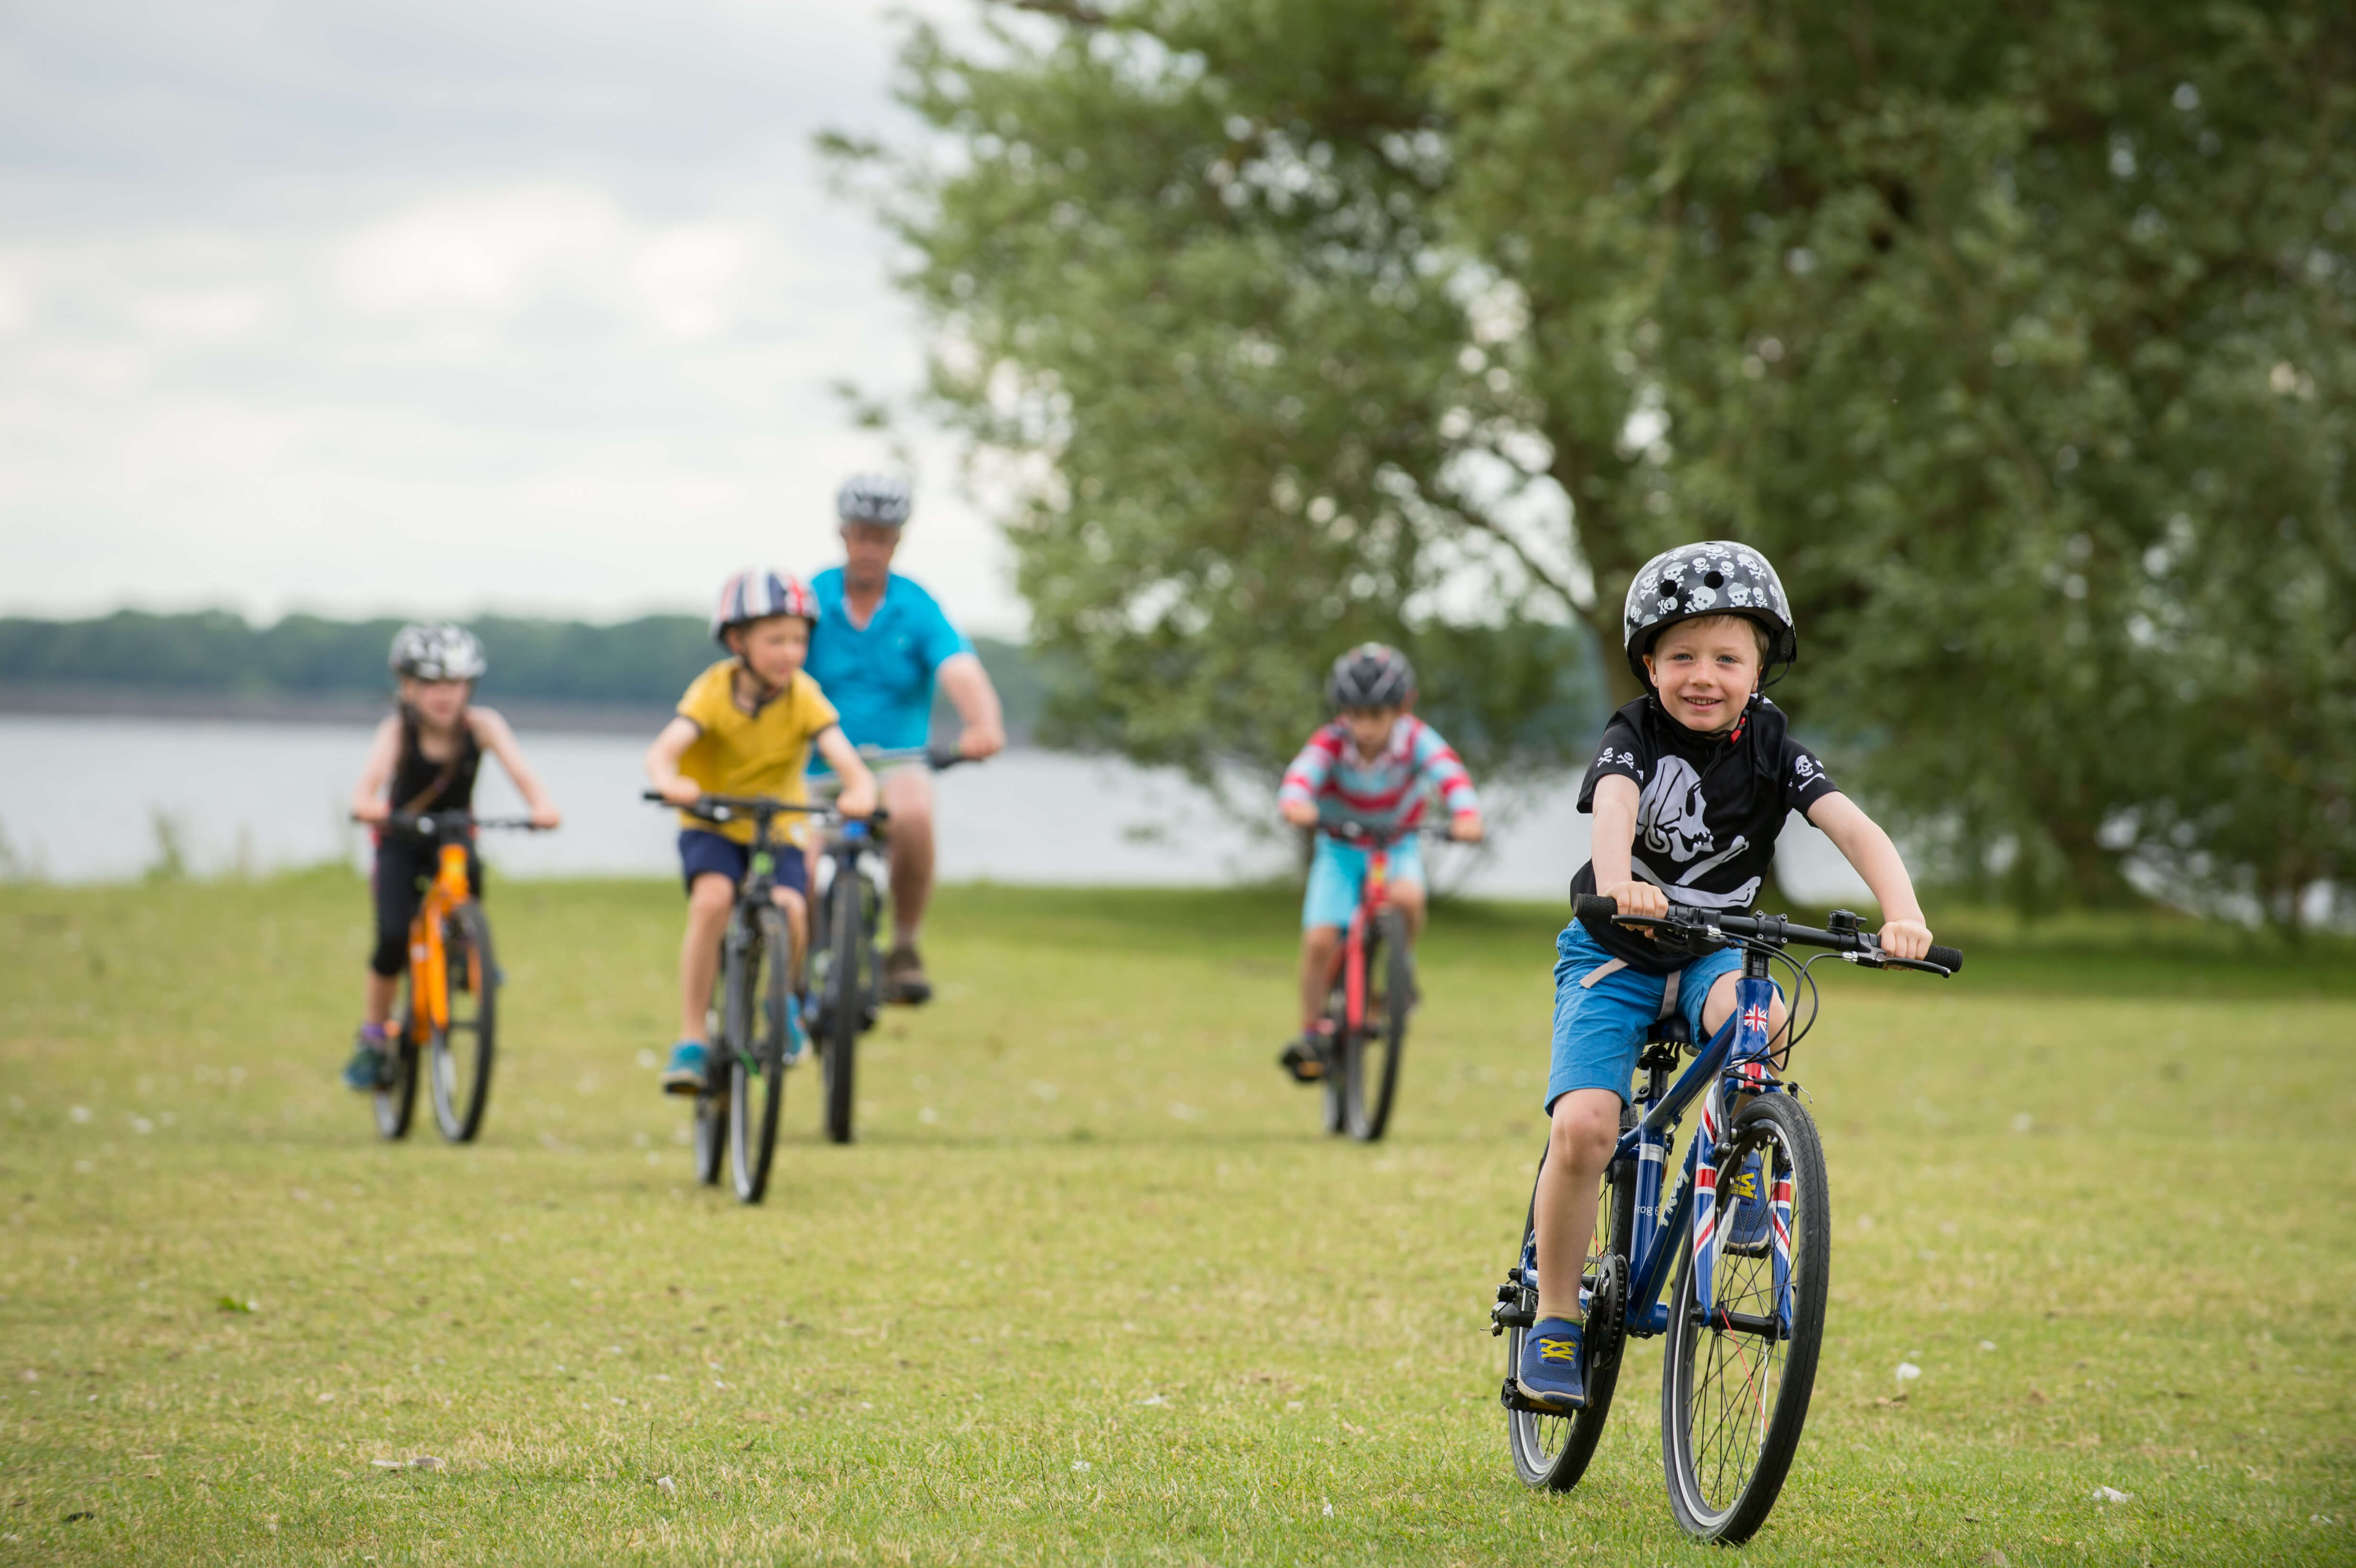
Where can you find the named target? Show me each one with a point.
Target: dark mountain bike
(736, 1111)
(449, 1018)
(1746, 1320)
(848, 895)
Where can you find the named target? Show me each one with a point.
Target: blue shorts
(1337, 873)
(701, 853)
(1599, 1028)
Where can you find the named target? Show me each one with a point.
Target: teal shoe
(686, 1073)
(797, 1040)
(371, 1065)
(1552, 1373)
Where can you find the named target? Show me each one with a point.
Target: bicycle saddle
(1670, 1031)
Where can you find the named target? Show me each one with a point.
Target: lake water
(90, 800)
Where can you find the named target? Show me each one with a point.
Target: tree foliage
(2018, 335)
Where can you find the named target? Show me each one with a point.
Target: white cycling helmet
(874, 498)
(438, 650)
(757, 592)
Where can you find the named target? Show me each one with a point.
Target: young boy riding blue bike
(745, 727)
(1372, 770)
(1688, 791)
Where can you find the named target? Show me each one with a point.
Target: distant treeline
(216, 654)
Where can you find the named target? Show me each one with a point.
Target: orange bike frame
(429, 973)
(1353, 957)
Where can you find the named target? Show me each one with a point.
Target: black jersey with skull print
(1707, 812)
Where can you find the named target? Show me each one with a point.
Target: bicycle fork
(1748, 1071)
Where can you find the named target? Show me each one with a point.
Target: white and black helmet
(1372, 675)
(438, 650)
(874, 498)
(756, 594)
(1717, 577)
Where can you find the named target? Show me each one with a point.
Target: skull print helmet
(1718, 577)
(436, 650)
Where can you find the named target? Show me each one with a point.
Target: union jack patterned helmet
(757, 592)
(1717, 577)
(438, 650)
(874, 498)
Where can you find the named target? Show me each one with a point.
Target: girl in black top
(424, 758)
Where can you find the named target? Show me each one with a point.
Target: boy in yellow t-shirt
(745, 727)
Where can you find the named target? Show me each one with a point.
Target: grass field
(1092, 1287)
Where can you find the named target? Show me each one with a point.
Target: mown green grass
(1092, 1287)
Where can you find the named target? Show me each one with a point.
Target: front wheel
(1734, 1390)
(710, 1144)
(458, 1057)
(1371, 1059)
(843, 998)
(757, 1000)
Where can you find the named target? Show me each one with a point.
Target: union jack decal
(1755, 1016)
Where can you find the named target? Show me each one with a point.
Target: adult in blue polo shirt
(880, 644)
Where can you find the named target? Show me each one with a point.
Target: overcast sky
(437, 306)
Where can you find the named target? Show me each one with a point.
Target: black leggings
(404, 864)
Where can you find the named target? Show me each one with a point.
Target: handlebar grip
(653, 795)
(1950, 959)
(1594, 906)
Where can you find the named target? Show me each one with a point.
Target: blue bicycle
(1746, 1320)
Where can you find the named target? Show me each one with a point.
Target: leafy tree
(2017, 335)
(1187, 277)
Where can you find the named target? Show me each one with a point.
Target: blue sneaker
(371, 1062)
(685, 1074)
(1744, 1202)
(797, 1041)
(1552, 1373)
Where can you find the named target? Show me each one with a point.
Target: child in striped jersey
(1376, 765)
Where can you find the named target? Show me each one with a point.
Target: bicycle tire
(458, 1071)
(396, 1097)
(709, 1143)
(1552, 1450)
(756, 1064)
(1334, 1088)
(1371, 1079)
(1724, 1474)
(845, 999)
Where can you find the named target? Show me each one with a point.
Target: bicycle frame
(1351, 959)
(1736, 1061)
(429, 961)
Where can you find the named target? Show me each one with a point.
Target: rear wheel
(458, 1059)
(1549, 1449)
(1734, 1391)
(845, 998)
(396, 1095)
(711, 1101)
(1371, 1060)
(757, 999)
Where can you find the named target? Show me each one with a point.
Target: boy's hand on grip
(1905, 939)
(1300, 813)
(1640, 899)
(857, 799)
(375, 812)
(681, 791)
(1465, 827)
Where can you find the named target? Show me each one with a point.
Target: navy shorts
(708, 854)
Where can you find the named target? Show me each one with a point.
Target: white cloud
(424, 306)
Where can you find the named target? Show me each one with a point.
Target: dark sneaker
(904, 977)
(1744, 1201)
(1551, 1373)
(1304, 1058)
(685, 1076)
(371, 1063)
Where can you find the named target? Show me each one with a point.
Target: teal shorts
(1337, 873)
(1601, 1012)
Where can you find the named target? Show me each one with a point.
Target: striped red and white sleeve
(1438, 764)
(1312, 769)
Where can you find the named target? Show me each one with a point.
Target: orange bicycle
(449, 1015)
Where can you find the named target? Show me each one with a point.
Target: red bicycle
(1372, 995)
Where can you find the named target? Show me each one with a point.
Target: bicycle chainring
(1607, 1312)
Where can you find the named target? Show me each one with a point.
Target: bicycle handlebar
(1358, 833)
(1851, 940)
(430, 822)
(940, 759)
(757, 808)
